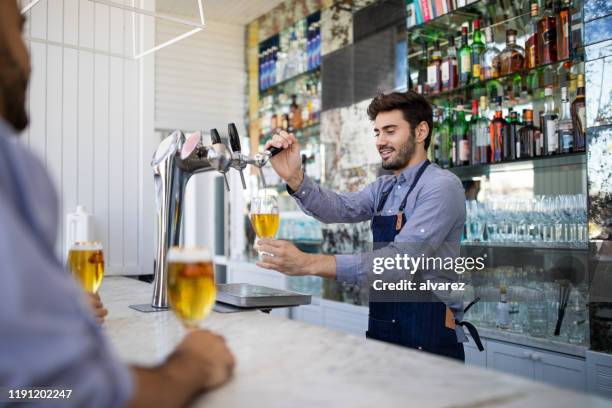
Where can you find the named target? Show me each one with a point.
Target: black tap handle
(275, 150)
(234, 139)
(214, 136)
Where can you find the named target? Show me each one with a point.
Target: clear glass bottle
(489, 59)
(565, 128)
(550, 121)
(531, 45)
(448, 68)
(513, 56)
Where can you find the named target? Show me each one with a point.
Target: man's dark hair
(414, 107)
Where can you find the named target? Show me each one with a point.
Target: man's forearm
(295, 181)
(322, 265)
(172, 384)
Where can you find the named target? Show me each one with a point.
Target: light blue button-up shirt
(48, 336)
(435, 213)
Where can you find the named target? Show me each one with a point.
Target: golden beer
(191, 284)
(86, 261)
(265, 225)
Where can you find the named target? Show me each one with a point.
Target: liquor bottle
(273, 59)
(483, 140)
(489, 59)
(448, 68)
(531, 45)
(317, 44)
(579, 117)
(513, 56)
(563, 31)
(433, 153)
(446, 141)
(529, 138)
(422, 78)
(473, 134)
(464, 58)
(503, 310)
(296, 113)
(460, 137)
(261, 78)
(309, 46)
(565, 130)
(511, 136)
(478, 48)
(497, 127)
(549, 123)
(434, 82)
(547, 36)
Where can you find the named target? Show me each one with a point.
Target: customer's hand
(209, 357)
(96, 306)
(288, 163)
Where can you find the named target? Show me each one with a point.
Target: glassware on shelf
(563, 30)
(513, 56)
(538, 319)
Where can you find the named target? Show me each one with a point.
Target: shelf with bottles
(476, 61)
(303, 133)
(291, 53)
(296, 105)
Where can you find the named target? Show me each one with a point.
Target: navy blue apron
(419, 325)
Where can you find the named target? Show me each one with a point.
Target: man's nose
(381, 140)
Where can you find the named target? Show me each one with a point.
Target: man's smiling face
(394, 139)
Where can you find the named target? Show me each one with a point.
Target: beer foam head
(188, 255)
(86, 246)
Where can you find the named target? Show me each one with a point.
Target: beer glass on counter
(191, 284)
(265, 217)
(86, 261)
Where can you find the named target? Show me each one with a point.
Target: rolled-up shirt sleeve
(48, 336)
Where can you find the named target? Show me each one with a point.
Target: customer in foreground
(49, 337)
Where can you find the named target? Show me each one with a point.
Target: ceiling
(224, 11)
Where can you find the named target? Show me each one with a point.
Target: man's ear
(421, 132)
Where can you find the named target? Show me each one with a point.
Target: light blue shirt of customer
(48, 336)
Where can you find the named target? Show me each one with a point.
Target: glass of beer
(191, 284)
(265, 217)
(86, 261)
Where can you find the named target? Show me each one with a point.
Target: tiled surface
(337, 27)
(599, 50)
(599, 172)
(596, 9)
(598, 30)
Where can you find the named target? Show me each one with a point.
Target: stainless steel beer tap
(176, 159)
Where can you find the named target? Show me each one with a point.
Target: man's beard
(404, 154)
(14, 88)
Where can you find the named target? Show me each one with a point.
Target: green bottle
(461, 156)
(446, 141)
(478, 48)
(464, 57)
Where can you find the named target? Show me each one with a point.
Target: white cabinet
(599, 368)
(308, 313)
(345, 317)
(553, 368)
(472, 355)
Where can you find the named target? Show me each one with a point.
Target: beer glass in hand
(191, 284)
(265, 217)
(86, 261)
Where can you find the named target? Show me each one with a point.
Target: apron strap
(472, 303)
(414, 183)
(473, 333)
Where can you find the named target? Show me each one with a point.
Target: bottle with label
(448, 68)
(446, 140)
(565, 128)
(460, 136)
(464, 59)
(549, 123)
(511, 136)
(478, 48)
(422, 77)
(483, 140)
(528, 136)
(547, 35)
(434, 83)
(563, 31)
(433, 153)
(513, 56)
(497, 128)
(531, 45)
(503, 309)
(295, 113)
(579, 117)
(489, 59)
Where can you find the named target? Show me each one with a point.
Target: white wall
(91, 109)
(200, 83)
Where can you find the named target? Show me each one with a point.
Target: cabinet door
(599, 373)
(510, 359)
(561, 370)
(473, 356)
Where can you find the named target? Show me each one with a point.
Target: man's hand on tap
(288, 163)
(288, 259)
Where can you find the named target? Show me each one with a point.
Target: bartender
(418, 210)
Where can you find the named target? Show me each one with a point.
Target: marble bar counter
(285, 363)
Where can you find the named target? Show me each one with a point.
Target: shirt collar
(408, 174)
(6, 130)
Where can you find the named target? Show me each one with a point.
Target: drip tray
(245, 295)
